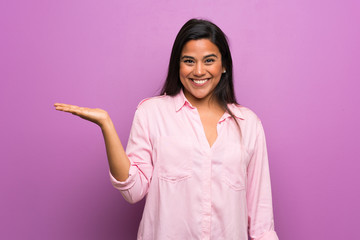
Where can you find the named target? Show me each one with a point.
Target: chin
(199, 95)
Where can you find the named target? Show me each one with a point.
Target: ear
(223, 70)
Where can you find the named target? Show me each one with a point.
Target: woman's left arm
(258, 193)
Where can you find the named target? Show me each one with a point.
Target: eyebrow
(207, 56)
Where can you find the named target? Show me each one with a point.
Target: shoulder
(155, 103)
(250, 123)
(244, 113)
(155, 110)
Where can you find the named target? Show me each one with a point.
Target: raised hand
(119, 162)
(95, 115)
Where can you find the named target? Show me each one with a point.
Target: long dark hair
(195, 29)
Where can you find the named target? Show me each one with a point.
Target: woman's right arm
(119, 163)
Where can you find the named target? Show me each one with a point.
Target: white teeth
(200, 81)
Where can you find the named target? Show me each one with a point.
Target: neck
(208, 102)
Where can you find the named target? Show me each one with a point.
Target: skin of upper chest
(209, 119)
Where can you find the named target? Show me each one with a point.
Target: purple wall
(296, 65)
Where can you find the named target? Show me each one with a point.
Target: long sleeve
(138, 149)
(259, 199)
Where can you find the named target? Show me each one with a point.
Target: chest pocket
(234, 168)
(175, 158)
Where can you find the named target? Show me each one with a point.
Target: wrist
(105, 122)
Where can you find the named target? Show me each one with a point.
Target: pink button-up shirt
(194, 191)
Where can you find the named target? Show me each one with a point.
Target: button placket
(206, 201)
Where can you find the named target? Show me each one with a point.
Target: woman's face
(200, 69)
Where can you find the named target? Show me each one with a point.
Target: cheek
(182, 80)
(217, 71)
(184, 71)
(182, 76)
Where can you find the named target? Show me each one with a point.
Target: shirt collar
(181, 101)
(234, 108)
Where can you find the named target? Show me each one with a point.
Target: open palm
(95, 115)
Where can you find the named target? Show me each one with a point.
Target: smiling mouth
(199, 81)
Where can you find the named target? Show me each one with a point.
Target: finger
(79, 111)
(64, 105)
(58, 104)
(76, 110)
(68, 108)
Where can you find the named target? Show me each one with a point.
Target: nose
(199, 69)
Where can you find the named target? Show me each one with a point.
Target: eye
(209, 60)
(188, 61)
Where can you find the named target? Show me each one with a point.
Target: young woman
(198, 156)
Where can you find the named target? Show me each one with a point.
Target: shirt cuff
(128, 183)
(270, 235)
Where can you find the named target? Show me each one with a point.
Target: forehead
(200, 47)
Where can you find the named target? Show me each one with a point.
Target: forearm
(119, 163)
